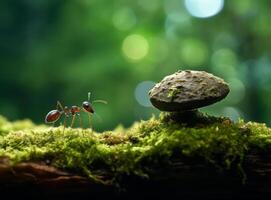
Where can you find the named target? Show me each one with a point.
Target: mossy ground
(132, 151)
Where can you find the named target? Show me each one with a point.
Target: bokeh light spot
(124, 19)
(141, 93)
(159, 49)
(135, 47)
(224, 57)
(225, 40)
(263, 72)
(193, 52)
(175, 22)
(232, 113)
(224, 63)
(237, 91)
(246, 7)
(149, 5)
(204, 8)
(260, 25)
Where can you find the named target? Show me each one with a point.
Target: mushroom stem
(190, 118)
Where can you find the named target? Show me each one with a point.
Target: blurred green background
(60, 49)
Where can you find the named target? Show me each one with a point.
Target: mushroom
(188, 90)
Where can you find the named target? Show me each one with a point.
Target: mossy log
(212, 159)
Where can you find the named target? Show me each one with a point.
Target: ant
(74, 111)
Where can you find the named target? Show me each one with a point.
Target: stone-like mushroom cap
(188, 90)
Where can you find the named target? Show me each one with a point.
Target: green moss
(173, 91)
(132, 151)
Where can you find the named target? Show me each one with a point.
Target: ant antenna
(99, 101)
(96, 101)
(89, 93)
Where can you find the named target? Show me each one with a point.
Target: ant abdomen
(52, 116)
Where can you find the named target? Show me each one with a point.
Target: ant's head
(87, 105)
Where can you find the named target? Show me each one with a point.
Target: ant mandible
(74, 111)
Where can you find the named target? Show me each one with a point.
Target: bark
(182, 179)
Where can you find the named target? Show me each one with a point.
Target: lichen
(223, 144)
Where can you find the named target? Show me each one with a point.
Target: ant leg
(73, 116)
(64, 124)
(89, 120)
(80, 120)
(59, 105)
(99, 117)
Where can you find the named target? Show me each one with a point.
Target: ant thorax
(71, 111)
(75, 110)
(67, 111)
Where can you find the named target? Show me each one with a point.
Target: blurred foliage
(60, 50)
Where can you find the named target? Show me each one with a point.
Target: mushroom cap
(188, 90)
